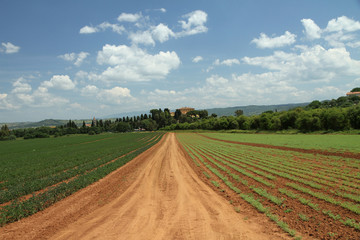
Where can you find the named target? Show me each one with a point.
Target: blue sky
(79, 59)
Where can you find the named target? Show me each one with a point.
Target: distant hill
(127, 114)
(248, 111)
(43, 123)
(254, 109)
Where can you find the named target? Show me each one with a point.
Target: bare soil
(157, 195)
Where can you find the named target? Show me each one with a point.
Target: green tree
(177, 114)
(4, 132)
(357, 89)
(239, 112)
(123, 127)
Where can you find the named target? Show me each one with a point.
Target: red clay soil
(157, 195)
(311, 151)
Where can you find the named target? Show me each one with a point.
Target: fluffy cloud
(194, 23)
(312, 30)
(266, 42)
(102, 27)
(4, 102)
(144, 32)
(343, 24)
(62, 82)
(42, 98)
(135, 64)
(312, 64)
(227, 62)
(89, 90)
(115, 95)
(340, 32)
(76, 58)
(114, 27)
(88, 30)
(197, 59)
(9, 48)
(142, 38)
(128, 17)
(20, 86)
(162, 33)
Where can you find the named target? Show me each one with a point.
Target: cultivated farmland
(34, 174)
(306, 194)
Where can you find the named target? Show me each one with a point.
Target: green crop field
(36, 173)
(330, 142)
(304, 194)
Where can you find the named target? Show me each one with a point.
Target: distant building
(353, 94)
(183, 110)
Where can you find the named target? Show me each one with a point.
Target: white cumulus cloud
(76, 58)
(20, 86)
(312, 30)
(88, 30)
(197, 59)
(135, 64)
(129, 17)
(194, 23)
(9, 48)
(227, 62)
(343, 24)
(162, 33)
(267, 42)
(311, 64)
(59, 82)
(115, 95)
(140, 37)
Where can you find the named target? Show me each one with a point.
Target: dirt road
(164, 199)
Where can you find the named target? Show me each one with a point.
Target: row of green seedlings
(329, 172)
(305, 168)
(240, 170)
(329, 199)
(235, 159)
(43, 168)
(17, 209)
(288, 176)
(308, 163)
(260, 191)
(333, 161)
(249, 198)
(79, 165)
(261, 173)
(314, 185)
(347, 222)
(347, 205)
(344, 204)
(24, 188)
(239, 156)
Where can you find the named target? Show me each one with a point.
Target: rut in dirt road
(166, 201)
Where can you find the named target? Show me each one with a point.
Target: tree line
(334, 115)
(330, 115)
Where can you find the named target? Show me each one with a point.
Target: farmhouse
(353, 94)
(183, 110)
